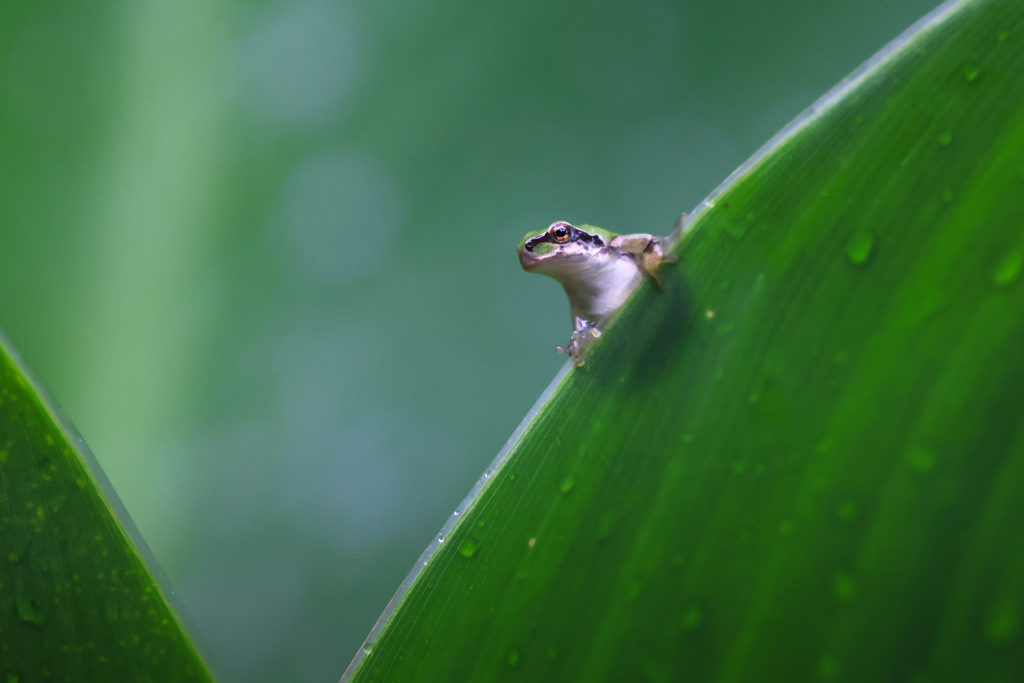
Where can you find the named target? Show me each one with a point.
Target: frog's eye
(561, 232)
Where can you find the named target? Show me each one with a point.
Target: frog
(598, 269)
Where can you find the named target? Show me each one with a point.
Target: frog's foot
(647, 251)
(579, 342)
(653, 256)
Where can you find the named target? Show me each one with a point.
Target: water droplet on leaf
(828, 668)
(921, 460)
(858, 247)
(468, 547)
(1008, 269)
(1002, 625)
(843, 588)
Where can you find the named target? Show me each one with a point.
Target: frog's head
(561, 248)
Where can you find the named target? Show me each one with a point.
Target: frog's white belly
(599, 286)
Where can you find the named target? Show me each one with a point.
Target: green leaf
(77, 600)
(804, 459)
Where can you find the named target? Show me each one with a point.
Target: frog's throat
(597, 294)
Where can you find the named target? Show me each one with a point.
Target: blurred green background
(264, 253)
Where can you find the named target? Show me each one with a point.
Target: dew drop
(552, 652)
(1002, 625)
(566, 484)
(513, 657)
(843, 587)
(945, 138)
(28, 609)
(468, 547)
(440, 538)
(692, 618)
(947, 195)
(736, 229)
(828, 668)
(1003, 35)
(858, 247)
(971, 72)
(921, 460)
(1008, 269)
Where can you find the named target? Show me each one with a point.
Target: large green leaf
(803, 459)
(77, 600)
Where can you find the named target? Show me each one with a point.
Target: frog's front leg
(584, 333)
(648, 252)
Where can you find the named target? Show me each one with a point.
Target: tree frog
(597, 268)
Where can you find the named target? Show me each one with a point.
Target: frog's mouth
(528, 261)
(544, 258)
(567, 268)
